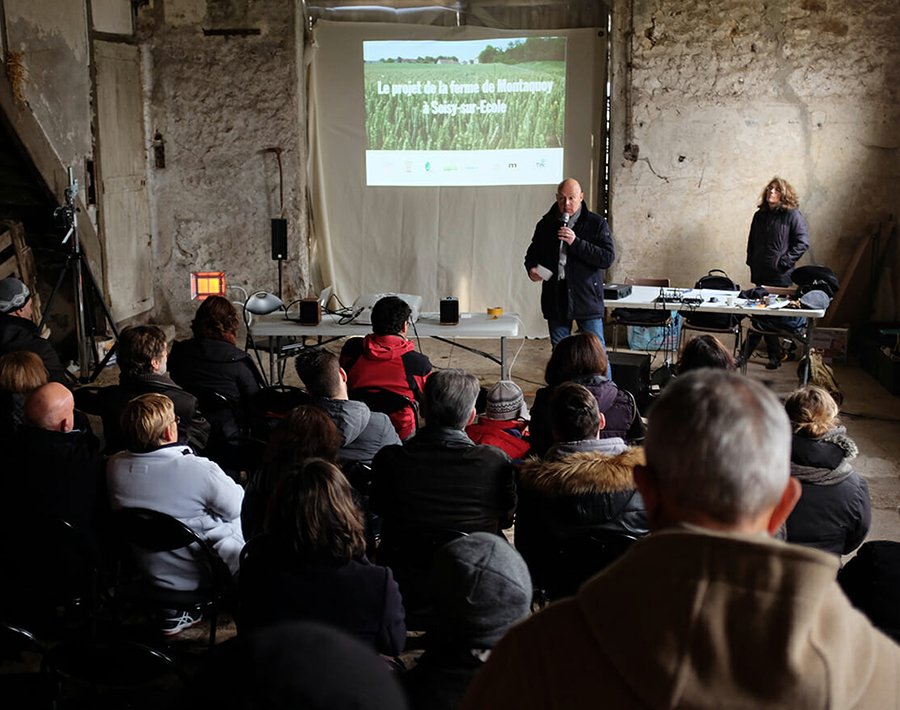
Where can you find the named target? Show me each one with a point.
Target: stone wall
(221, 103)
(711, 99)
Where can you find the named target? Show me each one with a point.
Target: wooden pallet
(17, 260)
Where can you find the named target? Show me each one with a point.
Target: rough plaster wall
(714, 98)
(220, 103)
(52, 36)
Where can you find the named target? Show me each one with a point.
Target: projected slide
(483, 112)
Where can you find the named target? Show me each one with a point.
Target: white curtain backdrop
(467, 242)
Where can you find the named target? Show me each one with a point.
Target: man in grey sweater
(363, 432)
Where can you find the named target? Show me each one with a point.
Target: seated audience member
(306, 432)
(298, 664)
(438, 484)
(159, 473)
(21, 372)
(52, 468)
(580, 358)
(505, 421)
(363, 432)
(583, 485)
(386, 359)
(705, 351)
(310, 563)
(141, 356)
(18, 331)
(834, 513)
(481, 587)
(871, 581)
(440, 478)
(708, 610)
(210, 362)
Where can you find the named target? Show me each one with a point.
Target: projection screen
(410, 220)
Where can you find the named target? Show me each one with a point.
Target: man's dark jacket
(22, 334)
(108, 402)
(580, 294)
(441, 479)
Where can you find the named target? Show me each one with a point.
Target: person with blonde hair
(835, 512)
(310, 563)
(158, 472)
(21, 372)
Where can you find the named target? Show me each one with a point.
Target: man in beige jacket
(708, 611)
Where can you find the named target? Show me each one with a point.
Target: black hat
(823, 278)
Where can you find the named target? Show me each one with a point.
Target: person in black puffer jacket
(581, 358)
(835, 512)
(211, 362)
(778, 238)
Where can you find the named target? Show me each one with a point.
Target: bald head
(51, 407)
(569, 196)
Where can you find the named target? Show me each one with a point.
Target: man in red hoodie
(385, 359)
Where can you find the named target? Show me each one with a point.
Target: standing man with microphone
(570, 249)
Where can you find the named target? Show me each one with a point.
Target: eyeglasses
(176, 420)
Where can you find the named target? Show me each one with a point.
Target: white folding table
(712, 301)
(471, 325)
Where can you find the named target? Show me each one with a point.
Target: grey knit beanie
(505, 401)
(481, 587)
(13, 294)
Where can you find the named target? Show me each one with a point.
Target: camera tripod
(87, 295)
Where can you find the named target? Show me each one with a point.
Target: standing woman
(778, 238)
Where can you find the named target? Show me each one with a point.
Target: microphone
(565, 219)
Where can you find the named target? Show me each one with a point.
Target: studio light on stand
(261, 303)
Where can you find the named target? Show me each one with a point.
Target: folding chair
(152, 531)
(643, 318)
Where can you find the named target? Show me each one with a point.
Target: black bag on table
(718, 280)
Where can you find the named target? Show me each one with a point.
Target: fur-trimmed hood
(582, 473)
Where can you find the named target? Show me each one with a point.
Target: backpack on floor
(718, 280)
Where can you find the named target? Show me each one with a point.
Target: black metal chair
(152, 531)
(21, 678)
(51, 575)
(800, 337)
(268, 406)
(112, 673)
(385, 401)
(643, 318)
(409, 552)
(576, 560)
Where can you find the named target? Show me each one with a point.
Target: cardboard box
(833, 344)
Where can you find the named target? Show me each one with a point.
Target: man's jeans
(559, 329)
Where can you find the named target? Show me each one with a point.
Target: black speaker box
(631, 371)
(449, 311)
(279, 239)
(310, 312)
